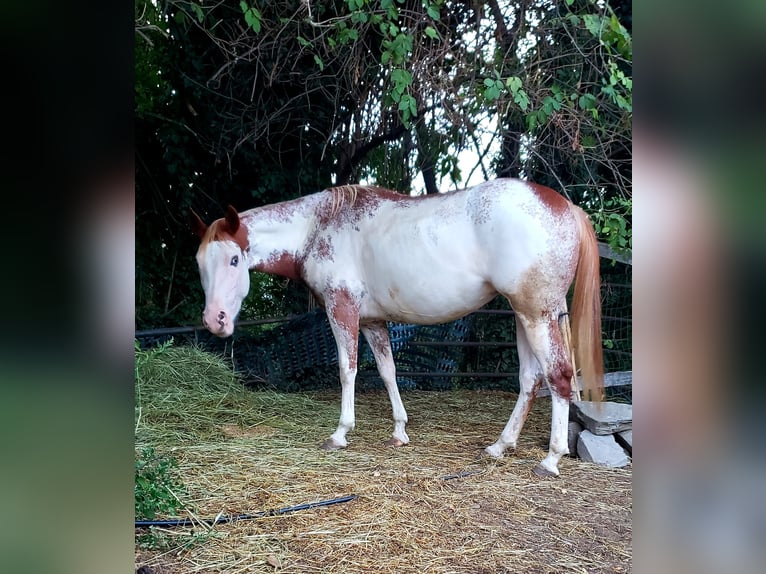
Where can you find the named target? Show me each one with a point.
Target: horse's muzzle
(218, 323)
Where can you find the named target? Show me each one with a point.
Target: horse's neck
(282, 226)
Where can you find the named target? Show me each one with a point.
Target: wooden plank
(605, 251)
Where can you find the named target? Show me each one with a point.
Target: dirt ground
(411, 513)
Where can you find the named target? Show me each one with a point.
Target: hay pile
(240, 451)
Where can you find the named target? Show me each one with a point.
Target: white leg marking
(545, 341)
(530, 376)
(347, 419)
(346, 337)
(380, 343)
(559, 445)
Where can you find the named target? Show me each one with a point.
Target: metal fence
(478, 351)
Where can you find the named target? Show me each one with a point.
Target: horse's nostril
(221, 316)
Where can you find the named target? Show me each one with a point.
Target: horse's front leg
(344, 321)
(380, 343)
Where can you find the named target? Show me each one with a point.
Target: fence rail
(297, 352)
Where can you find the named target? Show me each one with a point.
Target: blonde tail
(586, 310)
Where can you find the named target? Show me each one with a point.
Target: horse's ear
(197, 225)
(232, 220)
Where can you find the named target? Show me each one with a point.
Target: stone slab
(625, 439)
(603, 418)
(601, 449)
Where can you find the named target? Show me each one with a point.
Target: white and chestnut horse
(371, 255)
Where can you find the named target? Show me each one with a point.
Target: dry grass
(241, 451)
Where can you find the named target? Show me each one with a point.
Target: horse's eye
(234, 260)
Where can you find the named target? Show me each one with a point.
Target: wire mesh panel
(477, 351)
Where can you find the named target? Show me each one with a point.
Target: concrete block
(601, 449)
(603, 418)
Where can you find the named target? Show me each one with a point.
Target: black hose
(462, 474)
(225, 519)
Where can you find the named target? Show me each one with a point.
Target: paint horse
(370, 255)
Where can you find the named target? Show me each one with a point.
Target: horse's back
(436, 258)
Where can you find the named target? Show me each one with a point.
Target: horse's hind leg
(380, 343)
(545, 341)
(530, 379)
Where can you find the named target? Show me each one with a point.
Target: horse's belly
(427, 298)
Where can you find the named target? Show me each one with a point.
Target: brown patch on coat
(225, 229)
(561, 372)
(480, 207)
(324, 250)
(561, 378)
(378, 339)
(281, 263)
(346, 205)
(556, 202)
(343, 309)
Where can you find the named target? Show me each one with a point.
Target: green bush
(156, 487)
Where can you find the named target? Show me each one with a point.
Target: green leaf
(521, 99)
(433, 11)
(303, 42)
(253, 19)
(492, 93)
(532, 121)
(401, 76)
(406, 118)
(431, 33)
(489, 82)
(593, 24)
(513, 83)
(587, 101)
(360, 18)
(319, 62)
(198, 12)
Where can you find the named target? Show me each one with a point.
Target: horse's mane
(346, 195)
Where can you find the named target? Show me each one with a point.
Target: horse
(371, 255)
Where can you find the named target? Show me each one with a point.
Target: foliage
(156, 485)
(246, 102)
(156, 489)
(613, 222)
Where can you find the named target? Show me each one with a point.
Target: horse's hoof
(330, 444)
(543, 472)
(493, 452)
(393, 441)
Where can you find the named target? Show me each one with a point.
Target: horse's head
(223, 269)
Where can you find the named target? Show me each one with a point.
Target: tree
(247, 102)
